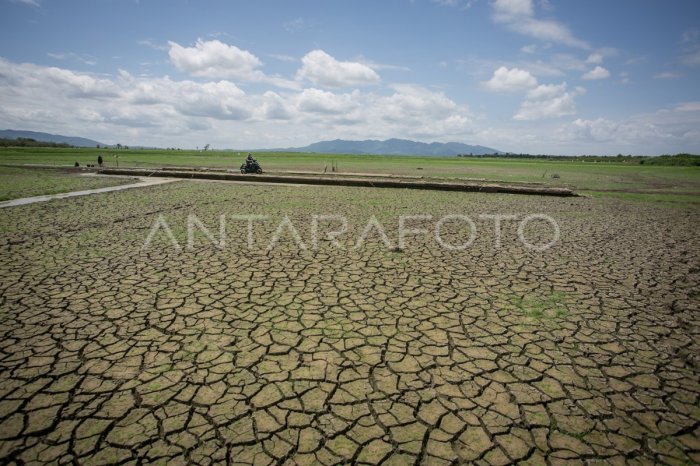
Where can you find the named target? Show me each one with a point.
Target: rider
(249, 161)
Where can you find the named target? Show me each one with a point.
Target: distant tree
(119, 146)
(206, 147)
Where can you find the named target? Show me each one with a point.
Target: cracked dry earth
(584, 353)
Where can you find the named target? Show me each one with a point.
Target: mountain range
(393, 147)
(337, 146)
(46, 137)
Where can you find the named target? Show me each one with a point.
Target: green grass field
(599, 179)
(16, 183)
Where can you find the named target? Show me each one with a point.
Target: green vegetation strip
(577, 174)
(363, 182)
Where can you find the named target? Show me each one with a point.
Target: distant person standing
(99, 160)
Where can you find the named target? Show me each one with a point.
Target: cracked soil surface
(112, 353)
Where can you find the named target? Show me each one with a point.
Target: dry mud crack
(111, 353)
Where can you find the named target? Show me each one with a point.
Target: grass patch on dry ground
(667, 198)
(16, 183)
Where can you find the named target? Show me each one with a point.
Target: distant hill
(57, 138)
(394, 147)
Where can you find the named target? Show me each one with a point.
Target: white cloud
(381, 66)
(294, 25)
(214, 59)
(519, 16)
(688, 107)
(319, 101)
(546, 91)
(322, 69)
(667, 75)
(508, 10)
(410, 101)
(594, 59)
(37, 79)
(220, 100)
(166, 112)
(510, 79)
(34, 3)
(85, 59)
(668, 130)
(153, 45)
(465, 4)
(600, 129)
(275, 107)
(596, 73)
(281, 57)
(548, 101)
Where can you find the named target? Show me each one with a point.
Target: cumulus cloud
(548, 101)
(323, 70)
(596, 73)
(217, 60)
(519, 16)
(410, 101)
(319, 101)
(275, 107)
(214, 59)
(594, 59)
(163, 111)
(688, 107)
(33, 78)
(219, 100)
(667, 130)
(510, 79)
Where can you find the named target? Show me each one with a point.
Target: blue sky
(539, 76)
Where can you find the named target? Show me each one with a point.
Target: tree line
(29, 142)
(687, 160)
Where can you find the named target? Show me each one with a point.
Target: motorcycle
(251, 166)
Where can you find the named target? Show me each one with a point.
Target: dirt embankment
(408, 183)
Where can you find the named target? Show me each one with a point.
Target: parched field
(112, 352)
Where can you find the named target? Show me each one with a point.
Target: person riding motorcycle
(250, 165)
(250, 161)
